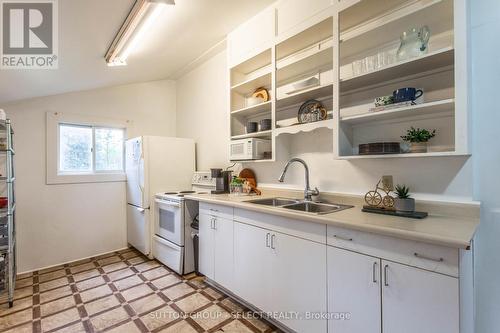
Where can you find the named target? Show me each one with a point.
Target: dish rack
(7, 215)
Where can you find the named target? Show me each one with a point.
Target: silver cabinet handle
(272, 241)
(375, 272)
(267, 239)
(215, 224)
(428, 258)
(343, 238)
(385, 276)
(212, 223)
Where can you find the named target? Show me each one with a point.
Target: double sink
(319, 208)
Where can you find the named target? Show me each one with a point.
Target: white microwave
(249, 149)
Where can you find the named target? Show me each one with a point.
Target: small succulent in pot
(418, 139)
(403, 202)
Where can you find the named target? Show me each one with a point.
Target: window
(83, 149)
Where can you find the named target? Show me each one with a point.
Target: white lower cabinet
(283, 274)
(417, 301)
(216, 249)
(353, 292)
(384, 296)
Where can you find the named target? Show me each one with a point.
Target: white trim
(53, 121)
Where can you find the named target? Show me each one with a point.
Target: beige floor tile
(53, 284)
(52, 275)
(177, 291)
(75, 328)
(50, 269)
(24, 275)
(235, 326)
(57, 305)
(128, 282)
(159, 317)
(79, 262)
(142, 305)
(130, 254)
(24, 282)
(105, 255)
(26, 328)
(16, 318)
(180, 327)
(193, 302)
(20, 304)
(136, 260)
(23, 292)
(129, 327)
(114, 267)
(155, 273)
(122, 273)
(94, 293)
(198, 282)
(108, 260)
(211, 317)
(109, 318)
(166, 281)
(213, 293)
(147, 265)
(101, 304)
(90, 283)
(85, 275)
(261, 325)
(60, 319)
(83, 267)
(136, 292)
(55, 293)
(232, 305)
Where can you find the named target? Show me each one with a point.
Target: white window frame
(54, 119)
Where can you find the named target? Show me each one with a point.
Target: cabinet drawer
(225, 212)
(431, 257)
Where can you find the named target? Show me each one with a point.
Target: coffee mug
(406, 94)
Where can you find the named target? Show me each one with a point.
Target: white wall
(203, 115)
(485, 52)
(60, 223)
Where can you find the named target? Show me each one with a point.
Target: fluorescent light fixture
(139, 20)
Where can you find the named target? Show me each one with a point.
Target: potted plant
(403, 202)
(418, 139)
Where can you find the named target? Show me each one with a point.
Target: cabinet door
(252, 269)
(224, 252)
(416, 301)
(354, 289)
(206, 246)
(293, 12)
(298, 281)
(252, 35)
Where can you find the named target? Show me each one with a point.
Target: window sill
(85, 178)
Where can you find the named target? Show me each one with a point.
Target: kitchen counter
(448, 224)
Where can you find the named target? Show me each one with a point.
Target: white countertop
(440, 227)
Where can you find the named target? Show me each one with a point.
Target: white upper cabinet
(251, 37)
(416, 301)
(293, 12)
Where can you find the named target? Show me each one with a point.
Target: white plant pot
(404, 205)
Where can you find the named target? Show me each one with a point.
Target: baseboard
(68, 262)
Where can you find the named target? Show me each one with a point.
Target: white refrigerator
(153, 164)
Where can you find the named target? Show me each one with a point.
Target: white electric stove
(172, 239)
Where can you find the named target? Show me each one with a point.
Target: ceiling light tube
(138, 21)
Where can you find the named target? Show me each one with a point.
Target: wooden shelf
(255, 161)
(252, 110)
(408, 155)
(413, 110)
(310, 60)
(302, 96)
(253, 135)
(249, 86)
(433, 60)
(308, 127)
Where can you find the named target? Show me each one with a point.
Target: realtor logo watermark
(29, 34)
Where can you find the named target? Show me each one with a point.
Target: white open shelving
(248, 86)
(253, 110)
(308, 127)
(260, 134)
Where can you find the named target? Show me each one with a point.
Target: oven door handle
(167, 203)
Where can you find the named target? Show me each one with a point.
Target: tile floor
(121, 292)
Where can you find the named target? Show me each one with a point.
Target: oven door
(169, 221)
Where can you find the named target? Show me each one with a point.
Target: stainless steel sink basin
(316, 208)
(275, 202)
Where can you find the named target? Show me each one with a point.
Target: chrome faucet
(308, 193)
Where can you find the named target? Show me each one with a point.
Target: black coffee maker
(222, 180)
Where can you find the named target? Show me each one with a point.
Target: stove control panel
(203, 178)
